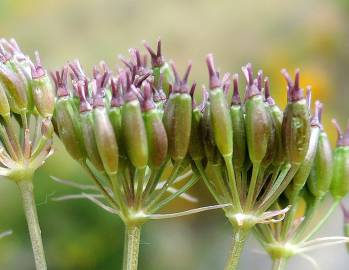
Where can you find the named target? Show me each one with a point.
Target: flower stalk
(238, 244)
(132, 241)
(29, 206)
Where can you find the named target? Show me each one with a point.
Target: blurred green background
(272, 34)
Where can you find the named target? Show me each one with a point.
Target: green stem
(322, 221)
(152, 182)
(239, 240)
(291, 215)
(252, 187)
(154, 179)
(308, 218)
(232, 182)
(139, 180)
(274, 194)
(98, 183)
(219, 183)
(171, 197)
(279, 264)
(207, 181)
(175, 170)
(26, 189)
(132, 240)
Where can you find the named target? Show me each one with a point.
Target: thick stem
(132, 240)
(26, 189)
(279, 264)
(239, 240)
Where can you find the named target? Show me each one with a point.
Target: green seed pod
(161, 68)
(134, 133)
(211, 150)
(87, 128)
(238, 125)
(156, 133)
(15, 89)
(67, 118)
(295, 124)
(43, 93)
(257, 120)
(306, 166)
(20, 70)
(321, 174)
(276, 116)
(104, 134)
(340, 179)
(20, 57)
(21, 65)
(5, 110)
(115, 115)
(220, 115)
(196, 147)
(271, 149)
(178, 116)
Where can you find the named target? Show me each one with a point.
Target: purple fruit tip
(60, 81)
(252, 84)
(36, 69)
(181, 85)
(236, 100)
(117, 100)
(214, 81)
(84, 105)
(316, 120)
(260, 80)
(294, 92)
(148, 103)
(343, 138)
(156, 58)
(267, 95)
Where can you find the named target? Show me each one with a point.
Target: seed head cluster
(145, 137)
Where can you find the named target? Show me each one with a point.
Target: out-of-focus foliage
(312, 35)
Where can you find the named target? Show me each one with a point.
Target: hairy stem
(239, 240)
(132, 240)
(279, 264)
(26, 189)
